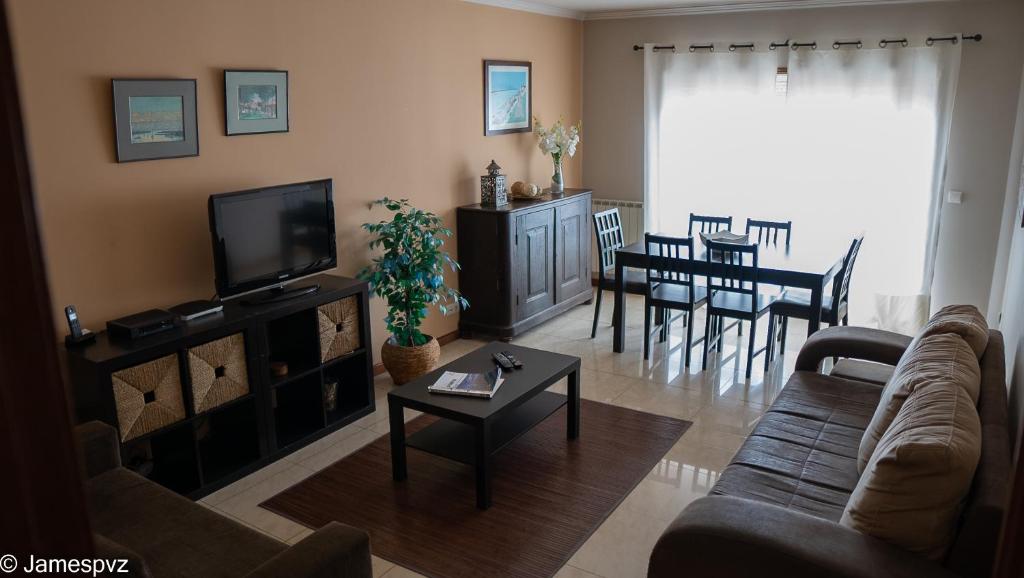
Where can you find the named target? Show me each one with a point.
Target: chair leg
(707, 340)
(740, 330)
(770, 351)
(597, 313)
(785, 330)
(647, 331)
(846, 319)
(689, 341)
(720, 335)
(666, 323)
(750, 348)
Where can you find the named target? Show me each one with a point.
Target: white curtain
(838, 141)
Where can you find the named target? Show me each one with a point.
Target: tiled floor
(722, 404)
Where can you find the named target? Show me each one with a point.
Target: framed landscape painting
(508, 97)
(155, 119)
(255, 101)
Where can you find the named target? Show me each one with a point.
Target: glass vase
(557, 184)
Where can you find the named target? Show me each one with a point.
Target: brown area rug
(549, 495)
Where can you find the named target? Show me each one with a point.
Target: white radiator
(632, 215)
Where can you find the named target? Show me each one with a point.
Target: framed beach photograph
(255, 101)
(508, 97)
(155, 119)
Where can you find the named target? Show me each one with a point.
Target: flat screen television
(265, 238)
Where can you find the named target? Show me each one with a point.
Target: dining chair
(670, 287)
(732, 282)
(608, 229)
(707, 224)
(767, 232)
(835, 307)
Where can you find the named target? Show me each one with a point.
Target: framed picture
(255, 101)
(155, 119)
(508, 97)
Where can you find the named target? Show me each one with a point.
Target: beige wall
(1011, 312)
(981, 134)
(386, 99)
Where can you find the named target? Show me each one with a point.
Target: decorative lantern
(493, 192)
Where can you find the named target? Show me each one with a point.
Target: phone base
(86, 337)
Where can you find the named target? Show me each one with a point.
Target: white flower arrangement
(558, 140)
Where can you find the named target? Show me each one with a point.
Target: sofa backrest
(974, 548)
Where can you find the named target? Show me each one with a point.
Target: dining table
(808, 266)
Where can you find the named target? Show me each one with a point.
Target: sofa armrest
(334, 551)
(852, 342)
(728, 536)
(100, 448)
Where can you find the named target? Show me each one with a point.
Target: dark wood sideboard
(198, 407)
(523, 263)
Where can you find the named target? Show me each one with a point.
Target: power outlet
(955, 197)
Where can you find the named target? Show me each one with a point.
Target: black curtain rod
(885, 43)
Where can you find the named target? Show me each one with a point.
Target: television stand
(278, 294)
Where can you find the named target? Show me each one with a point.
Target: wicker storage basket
(148, 396)
(218, 372)
(339, 328)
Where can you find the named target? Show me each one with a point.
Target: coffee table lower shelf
(456, 441)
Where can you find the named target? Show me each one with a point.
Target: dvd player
(141, 325)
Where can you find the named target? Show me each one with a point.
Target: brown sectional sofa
(775, 509)
(164, 534)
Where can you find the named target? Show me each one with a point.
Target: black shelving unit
(199, 453)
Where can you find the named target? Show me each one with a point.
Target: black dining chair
(707, 224)
(767, 232)
(732, 281)
(670, 287)
(835, 307)
(608, 229)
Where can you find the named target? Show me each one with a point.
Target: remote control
(503, 361)
(515, 362)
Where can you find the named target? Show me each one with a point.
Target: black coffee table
(471, 430)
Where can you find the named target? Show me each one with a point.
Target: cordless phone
(78, 336)
(73, 324)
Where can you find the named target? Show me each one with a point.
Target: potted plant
(409, 276)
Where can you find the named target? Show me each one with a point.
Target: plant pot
(407, 363)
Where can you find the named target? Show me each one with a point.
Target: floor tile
(400, 572)
(333, 453)
(570, 571)
(380, 565)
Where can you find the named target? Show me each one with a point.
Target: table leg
(483, 466)
(814, 323)
(619, 329)
(396, 418)
(574, 406)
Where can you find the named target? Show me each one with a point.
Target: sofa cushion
(914, 487)
(175, 536)
(940, 357)
(963, 320)
(802, 454)
(859, 370)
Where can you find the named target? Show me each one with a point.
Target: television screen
(266, 237)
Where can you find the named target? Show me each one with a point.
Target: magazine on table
(471, 384)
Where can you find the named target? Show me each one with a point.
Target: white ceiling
(597, 9)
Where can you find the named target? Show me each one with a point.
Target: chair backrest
(608, 229)
(707, 224)
(841, 284)
(767, 232)
(668, 261)
(732, 268)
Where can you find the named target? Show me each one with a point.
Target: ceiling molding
(755, 6)
(535, 7)
(758, 6)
